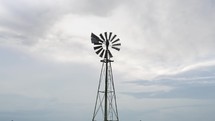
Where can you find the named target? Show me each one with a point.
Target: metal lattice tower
(106, 106)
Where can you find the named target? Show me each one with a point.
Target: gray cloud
(27, 21)
(195, 84)
(96, 7)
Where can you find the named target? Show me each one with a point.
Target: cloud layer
(165, 66)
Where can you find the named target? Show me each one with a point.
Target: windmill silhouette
(105, 106)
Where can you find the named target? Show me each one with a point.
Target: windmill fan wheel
(104, 42)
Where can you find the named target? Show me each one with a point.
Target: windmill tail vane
(106, 106)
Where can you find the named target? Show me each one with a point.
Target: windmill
(106, 106)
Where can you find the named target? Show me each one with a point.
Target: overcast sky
(165, 70)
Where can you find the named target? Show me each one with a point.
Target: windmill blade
(115, 41)
(109, 53)
(97, 47)
(119, 44)
(102, 53)
(116, 48)
(95, 39)
(97, 43)
(97, 52)
(113, 38)
(110, 35)
(102, 37)
(106, 36)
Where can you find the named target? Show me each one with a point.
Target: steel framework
(106, 106)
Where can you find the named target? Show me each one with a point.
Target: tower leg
(106, 90)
